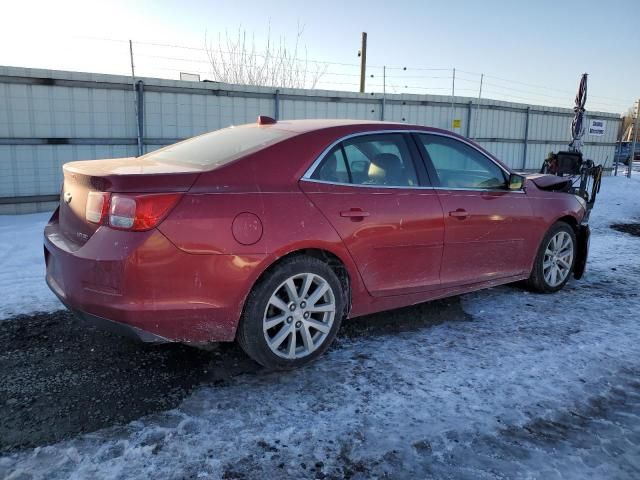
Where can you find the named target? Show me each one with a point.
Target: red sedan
(272, 233)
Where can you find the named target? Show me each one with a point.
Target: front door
(486, 225)
(369, 189)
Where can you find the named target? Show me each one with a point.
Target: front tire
(292, 314)
(555, 259)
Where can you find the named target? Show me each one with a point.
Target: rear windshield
(220, 147)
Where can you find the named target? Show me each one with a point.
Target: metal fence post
(526, 139)
(469, 118)
(135, 100)
(276, 98)
(384, 91)
(140, 99)
(453, 94)
(617, 160)
(475, 122)
(635, 140)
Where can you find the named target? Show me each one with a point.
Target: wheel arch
(339, 265)
(569, 219)
(565, 218)
(582, 233)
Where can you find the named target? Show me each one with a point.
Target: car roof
(303, 126)
(299, 127)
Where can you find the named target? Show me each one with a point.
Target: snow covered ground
(622, 169)
(532, 386)
(22, 285)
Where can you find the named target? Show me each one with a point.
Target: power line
(259, 54)
(502, 83)
(396, 78)
(185, 60)
(544, 87)
(418, 68)
(523, 91)
(617, 101)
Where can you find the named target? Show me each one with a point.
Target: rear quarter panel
(202, 225)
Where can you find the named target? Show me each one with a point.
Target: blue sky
(544, 45)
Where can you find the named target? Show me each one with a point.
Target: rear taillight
(140, 212)
(97, 207)
(129, 212)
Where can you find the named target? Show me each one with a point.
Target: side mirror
(516, 182)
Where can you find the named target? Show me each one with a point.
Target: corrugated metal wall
(48, 118)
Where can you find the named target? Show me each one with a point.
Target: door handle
(460, 214)
(354, 214)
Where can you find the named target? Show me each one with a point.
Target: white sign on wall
(190, 77)
(597, 127)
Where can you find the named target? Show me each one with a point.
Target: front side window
(383, 160)
(460, 166)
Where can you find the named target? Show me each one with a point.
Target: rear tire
(555, 259)
(292, 314)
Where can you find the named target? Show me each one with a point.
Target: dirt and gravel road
(60, 378)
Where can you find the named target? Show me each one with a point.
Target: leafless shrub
(236, 59)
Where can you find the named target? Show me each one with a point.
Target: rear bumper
(140, 284)
(121, 329)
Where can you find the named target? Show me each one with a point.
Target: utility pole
(135, 100)
(635, 139)
(363, 61)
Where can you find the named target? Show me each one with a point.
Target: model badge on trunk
(67, 197)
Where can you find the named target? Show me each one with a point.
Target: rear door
(378, 199)
(487, 226)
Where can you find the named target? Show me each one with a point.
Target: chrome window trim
(311, 170)
(408, 187)
(391, 187)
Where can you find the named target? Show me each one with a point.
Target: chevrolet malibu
(272, 233)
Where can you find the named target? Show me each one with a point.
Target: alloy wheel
(299, 316)
(558, 258)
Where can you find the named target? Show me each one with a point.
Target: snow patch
(22, 285)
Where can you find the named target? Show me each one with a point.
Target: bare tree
(235, 59)
(625, 132)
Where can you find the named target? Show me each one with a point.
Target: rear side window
(333, 168)
(220, 147)
(383, 160)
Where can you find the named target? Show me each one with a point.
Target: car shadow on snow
(60, 378)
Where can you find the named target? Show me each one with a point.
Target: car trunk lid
(122, 175)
